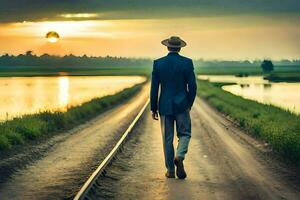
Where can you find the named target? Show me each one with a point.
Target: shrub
(4, 142)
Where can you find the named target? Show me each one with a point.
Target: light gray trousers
(183, 129)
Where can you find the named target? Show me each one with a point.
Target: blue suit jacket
(175, 76)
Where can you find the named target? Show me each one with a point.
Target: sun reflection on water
(26, 95)
(63, 92)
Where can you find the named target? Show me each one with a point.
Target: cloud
(37, 10)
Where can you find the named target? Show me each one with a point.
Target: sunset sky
(213, 29)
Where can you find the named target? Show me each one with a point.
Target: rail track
(90, 185)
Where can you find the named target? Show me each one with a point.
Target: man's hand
(154, 115)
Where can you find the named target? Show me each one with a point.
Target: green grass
(284, 77)
(30, 127)
(88, 71)
(255, 70)
(279, 128)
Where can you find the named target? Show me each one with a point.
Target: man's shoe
(170, 174)
(179, 168)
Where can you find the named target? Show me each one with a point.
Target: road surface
(222, 163)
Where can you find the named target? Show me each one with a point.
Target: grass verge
(283, 77)
(279, 128)
(30, 127)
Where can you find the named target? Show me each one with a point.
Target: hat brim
(166, 43)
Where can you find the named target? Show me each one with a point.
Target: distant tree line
(30, 59)
(243, 63)
(46, 60)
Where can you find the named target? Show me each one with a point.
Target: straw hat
(174, 42)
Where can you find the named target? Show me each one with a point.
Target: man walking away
(174, 75)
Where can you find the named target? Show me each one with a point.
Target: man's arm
(154, 92)
(191, 84)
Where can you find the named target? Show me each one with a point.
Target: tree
(267, 66)
(29, 53)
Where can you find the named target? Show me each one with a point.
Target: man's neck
(173, 52)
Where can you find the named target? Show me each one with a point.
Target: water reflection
(63, 93)
(234, 79)
(24, 95)
(283, 95)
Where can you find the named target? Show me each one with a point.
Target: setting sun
(52, 36)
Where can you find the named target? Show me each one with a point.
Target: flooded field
(284, 95)
(25, 95)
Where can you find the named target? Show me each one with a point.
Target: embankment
(277, 127)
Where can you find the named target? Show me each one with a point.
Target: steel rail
(89, 183)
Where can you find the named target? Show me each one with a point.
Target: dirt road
(69, 159)
(222, 163)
